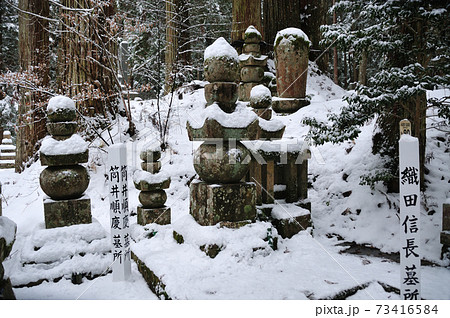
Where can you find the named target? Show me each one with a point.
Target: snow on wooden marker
(119, 212)
(409, 176)
(221, 48)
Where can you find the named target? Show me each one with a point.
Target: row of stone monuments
(7, 151)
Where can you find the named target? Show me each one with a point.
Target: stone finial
(251, 62)
(291, 57)
(260, 101)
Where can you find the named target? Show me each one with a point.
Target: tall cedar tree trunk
(362, 74)
(34, 60)
(87, 56)
(278, 15)
(315, 14)
(245, 13)
(177, 51)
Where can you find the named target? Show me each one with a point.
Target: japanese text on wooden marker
(119, 212)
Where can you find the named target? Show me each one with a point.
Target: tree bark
(245, 13)
(362, 78)
(314, 13)
(87, 57)
(34, 61)
(278, 15)
(177, 51)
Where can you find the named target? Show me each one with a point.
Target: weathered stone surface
(6, 291)
(446, 217)
(251, 48)
(62, 114)
(64, 160)
(2, 271)
(0, 199)
(264, 113)
(289, 105)
(157, 215)
(150, 155)
(251, 60)
(251, 74)
(152, 199)
(145, 186)
(153, 281)
(270, 135)
(221, 69)
(67, 212)
(445, 238)
(152, 167)
(62, 128)
(288, 227)
(213, 203)
(7, 239)
(221, 162)
(225, 94)
(260, 103)
(244, 91)
(63, 183)
(291, 59)
(212, 129)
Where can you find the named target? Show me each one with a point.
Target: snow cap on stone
(260, 93)
(251, 33)
(221, 48)
(60, 102)
(291, 34)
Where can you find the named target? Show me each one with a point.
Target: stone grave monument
(152, 182)
(291, 58)
(445, 233)
(7, 151)
(222, 161)
(252, 63)
(64, 180)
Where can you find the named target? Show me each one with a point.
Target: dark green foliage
(408, 44)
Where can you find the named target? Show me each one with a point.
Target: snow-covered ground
(306, 266)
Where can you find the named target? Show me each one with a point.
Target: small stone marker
(7, 151)
(409, 178)
(405, 127)
(119, 212)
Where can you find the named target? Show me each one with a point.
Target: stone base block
(244, 91)
(6, 291)
(289, 105)
(288, 227)
(264, 113)
(67, 212)
(446, 217)
(7, 164)
(214, 203)
(156, 215)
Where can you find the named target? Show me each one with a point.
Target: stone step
(7, 156)
(6, 164)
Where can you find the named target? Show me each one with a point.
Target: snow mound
(150, 178)
(251, 29)
(60, 102)
(7, 229)
(74, 145)
(240, 118)
(221, 48)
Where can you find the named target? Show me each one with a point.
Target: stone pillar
(64, 180)
(1, 199)
(251, 62)
(7, 151)
(291, 58)
(152, 182)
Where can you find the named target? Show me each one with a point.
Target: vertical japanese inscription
(410, 279)
(119, 212)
